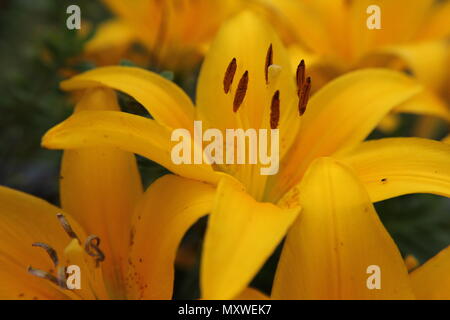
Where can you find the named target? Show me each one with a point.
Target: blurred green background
(36, 45)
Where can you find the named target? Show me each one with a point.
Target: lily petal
(24, 220)
(129, 11)
(438, 24)
(100, 187)
(164, 100)
(251, 294)
(431, 71)
(136, 13)
(395, 28)
(112, 34)
(127, 132)
(396, 166)
(241, 235)
(341, 115)
(309, 21)
(338, 236)
(413, 58)
(446, 139)
(168, 208)
(426, 103)
(432, 280)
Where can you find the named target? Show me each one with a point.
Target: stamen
(91, 246)
(229, 75)
(300, 76)
(45, 275)
(66, 226)
(240, 91)
(275, 110)
(51, 252)
(269, 62)
(304, 96)
(62, 277)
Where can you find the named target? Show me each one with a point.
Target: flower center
(91, 247)
(271, 72)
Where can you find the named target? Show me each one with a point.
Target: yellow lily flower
(338, 240)
(137, 233)
(245, 82)
(333, 37)
(175, 32)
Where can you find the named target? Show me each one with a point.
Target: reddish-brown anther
(229, 75)
(275, 110)
(304, 96)
(240, 91)
(300, 76)
(269, 62)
